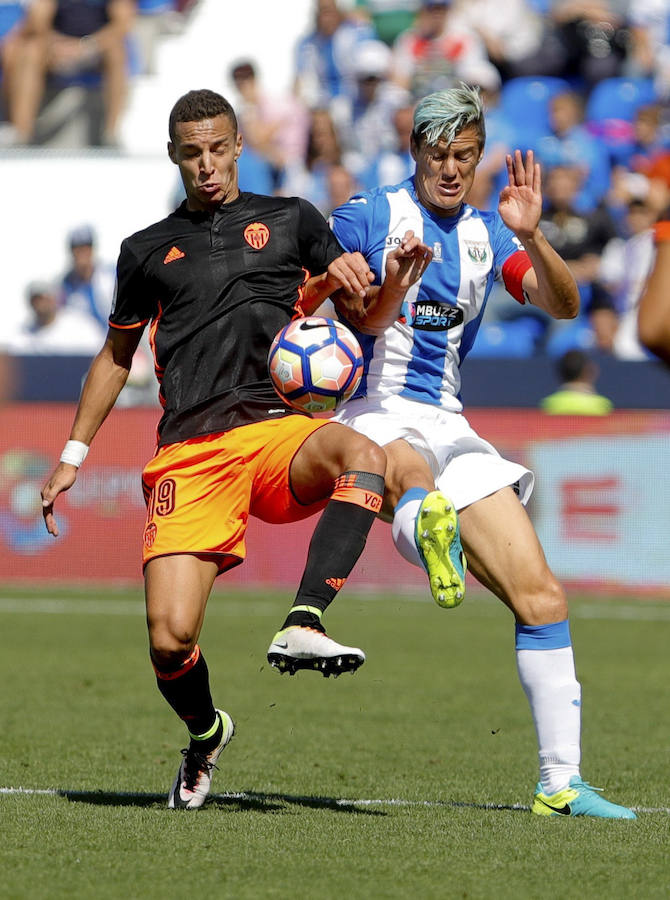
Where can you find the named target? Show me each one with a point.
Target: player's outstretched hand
(407, 262)
(62, 479)
(520, 204)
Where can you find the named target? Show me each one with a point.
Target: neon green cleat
(578, 799)
(438, 540)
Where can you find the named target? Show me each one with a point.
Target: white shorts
(465, 467)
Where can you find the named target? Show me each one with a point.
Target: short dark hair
(573, 364)
(198, 105)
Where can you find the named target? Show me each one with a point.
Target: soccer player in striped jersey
(409, 399)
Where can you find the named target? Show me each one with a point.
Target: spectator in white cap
(53, 329)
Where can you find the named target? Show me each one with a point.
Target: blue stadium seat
(524, 102)
(515, 338)
(574, 335)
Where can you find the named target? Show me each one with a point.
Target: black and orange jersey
(216, 288)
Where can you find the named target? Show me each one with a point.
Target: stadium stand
(118, 189)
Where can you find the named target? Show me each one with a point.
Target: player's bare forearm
(550, 284)
(106, 377)
(654, 311)
(101, 389)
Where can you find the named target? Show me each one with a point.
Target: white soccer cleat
(299, 647)
(194, 778)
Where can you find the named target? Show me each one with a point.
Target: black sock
(337, 543)
(186, 689)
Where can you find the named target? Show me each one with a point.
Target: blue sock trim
(543, 637)
(411, 494)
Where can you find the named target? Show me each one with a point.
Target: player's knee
(365, 456)
(546, 604)
(170, 649)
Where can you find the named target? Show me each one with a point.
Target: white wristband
(74, 453)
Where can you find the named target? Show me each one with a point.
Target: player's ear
(172, 152)
(238, 146)
(413, 147)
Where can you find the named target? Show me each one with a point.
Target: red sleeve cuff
(513, 270)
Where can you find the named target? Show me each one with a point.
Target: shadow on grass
(258, 801)
(242, 801)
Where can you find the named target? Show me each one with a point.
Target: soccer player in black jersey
(216, 280)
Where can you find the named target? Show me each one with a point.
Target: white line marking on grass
(290, 798)
(103, 607)
(631, 612)
(220, 605)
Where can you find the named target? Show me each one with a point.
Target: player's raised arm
(106, 377)
(549, 284)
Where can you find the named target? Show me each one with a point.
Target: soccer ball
(315, 364)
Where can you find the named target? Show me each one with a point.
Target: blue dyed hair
(445, 114)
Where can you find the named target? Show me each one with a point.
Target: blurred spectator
(388, 17)
(580, 238)
(512, 32)
(274, 126)
(53, 328)
(569, 139)
(649, 25)
(325, 57)
(593, 37)
(364, 122)
(68, 38)
(155, 19)
(577, 395)
(341, 185)
(88, 286)
(434, 53)
(308, 177)
(624, 268)
(12, 17)
(397, 163)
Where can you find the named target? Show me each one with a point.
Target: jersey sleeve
(132, 306)
(350, 224)
(318, 245)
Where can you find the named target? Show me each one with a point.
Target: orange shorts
(201, 492)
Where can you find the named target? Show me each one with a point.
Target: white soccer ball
(315, 364)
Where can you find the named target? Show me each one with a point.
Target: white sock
(554, 694)
(404, 524)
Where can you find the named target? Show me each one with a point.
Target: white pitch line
(220, 605)
(325, 801)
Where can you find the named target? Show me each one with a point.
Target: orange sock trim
(348, 491)
(185, 667)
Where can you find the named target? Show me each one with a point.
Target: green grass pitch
(413, 778)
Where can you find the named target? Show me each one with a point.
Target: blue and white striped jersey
(420, 355)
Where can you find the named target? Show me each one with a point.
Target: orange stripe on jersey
(127, 327)
(185, 667)
(349, 493)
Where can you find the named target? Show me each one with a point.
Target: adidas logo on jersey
(173, 254)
